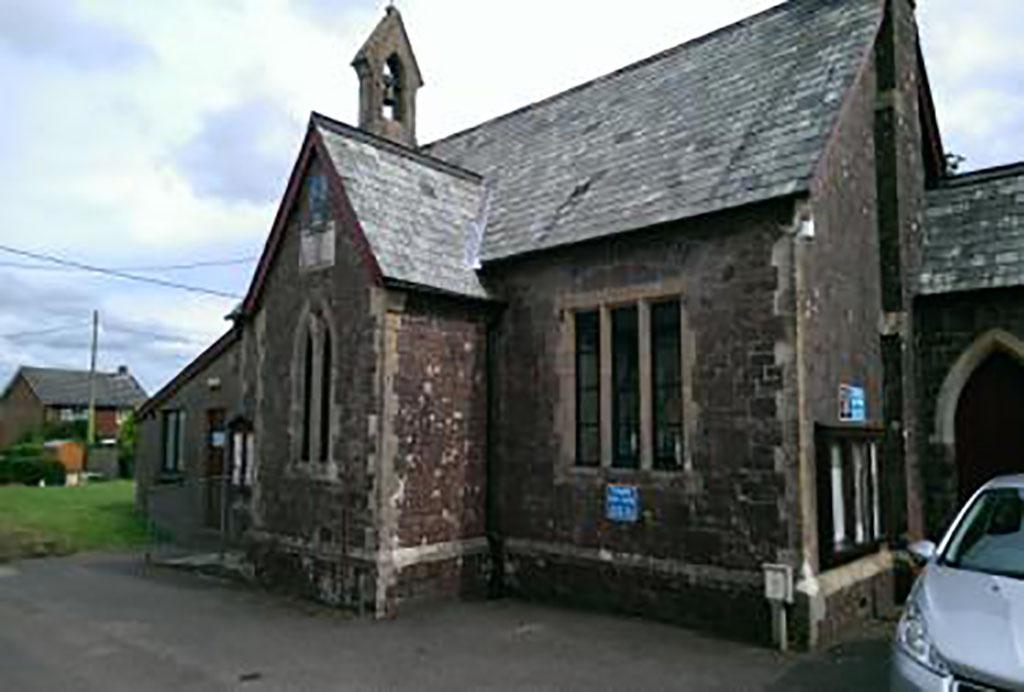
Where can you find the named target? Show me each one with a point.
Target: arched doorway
(990, 422)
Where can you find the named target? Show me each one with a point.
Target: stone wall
(715, 522)
(314, 522)
(851, 608)
(839, 307)
(839, 301)
(902, 179)
(855, 296)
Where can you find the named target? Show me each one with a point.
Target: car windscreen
(990, 538)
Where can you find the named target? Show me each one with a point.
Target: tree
(126, 441)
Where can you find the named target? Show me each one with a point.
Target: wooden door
(990, 423)
(215, 441)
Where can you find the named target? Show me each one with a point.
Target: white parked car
(963, 626)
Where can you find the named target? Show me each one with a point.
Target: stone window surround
(315, 319)
(857, 489)
(604, 301)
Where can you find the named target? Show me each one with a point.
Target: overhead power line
(117, 273)
(149, 268)
(41, 332)
(156, 335)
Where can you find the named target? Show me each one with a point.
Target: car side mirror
(922, 551)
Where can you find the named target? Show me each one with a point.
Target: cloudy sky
(151, 133)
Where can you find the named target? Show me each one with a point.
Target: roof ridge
(194, 367)
(981, 175)
(643, 62)
(77, 371)
(344, 129)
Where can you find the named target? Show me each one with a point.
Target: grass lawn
(55, 521)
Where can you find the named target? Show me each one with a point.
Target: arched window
(314, 374)
(393, 87)
(325, 396)
(307, 395)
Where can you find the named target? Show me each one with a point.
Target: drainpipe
(495, 587)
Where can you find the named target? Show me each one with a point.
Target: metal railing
(194, 515)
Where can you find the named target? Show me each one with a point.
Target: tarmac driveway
(102, 622)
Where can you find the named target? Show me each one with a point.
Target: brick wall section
(946, 326)
(729, 513)
(441, 422)
(21, 412)
(106, 423)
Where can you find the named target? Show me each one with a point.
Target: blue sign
(622, 503)
(853, 407)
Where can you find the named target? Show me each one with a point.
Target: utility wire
(151, 268)
(179, 338)
(40, 332)
(156, 335)
(117, 274)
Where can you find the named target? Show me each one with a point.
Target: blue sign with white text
(853, 407)
(622, 503)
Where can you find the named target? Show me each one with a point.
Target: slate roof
(738, 116)
(974, 232)
(420, 215)
(56, 387)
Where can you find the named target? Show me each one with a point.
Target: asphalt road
(102, 622)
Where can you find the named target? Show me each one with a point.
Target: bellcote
(388, 80)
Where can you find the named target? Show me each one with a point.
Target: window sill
(851, 553)
(688, 479)
(170, 478)
(313, 470)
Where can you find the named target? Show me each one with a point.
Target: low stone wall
(728, 602)
(330, 578)
(351, 580)
(460, 577)
(840, 601)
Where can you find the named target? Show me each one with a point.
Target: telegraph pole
(91, 435)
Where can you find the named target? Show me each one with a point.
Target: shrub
(27, 464)
(126, 442)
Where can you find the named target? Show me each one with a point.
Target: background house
(38, 397)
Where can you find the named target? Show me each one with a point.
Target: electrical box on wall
(778, 583)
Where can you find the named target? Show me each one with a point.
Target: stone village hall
(722, 308)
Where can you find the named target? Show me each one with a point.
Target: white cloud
(974, 53)
(144, 133)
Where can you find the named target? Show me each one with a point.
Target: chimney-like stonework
(388, 80)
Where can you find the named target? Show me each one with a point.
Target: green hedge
(27, 464)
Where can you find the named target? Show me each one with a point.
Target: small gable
(422, 218)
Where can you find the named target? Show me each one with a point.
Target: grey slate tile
(417, 214)
(738, 116)
(974, 232)
(71, 387)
